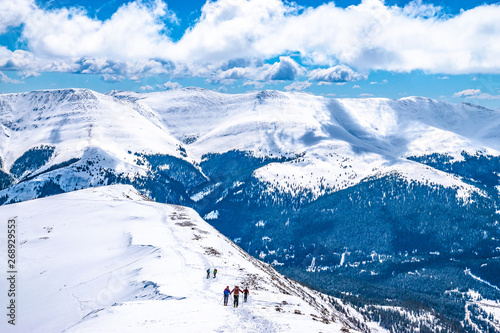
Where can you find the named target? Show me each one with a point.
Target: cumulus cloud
(283, 70)
(298, 86)
(234, 39)
(475, 93)
(368, 36)
(419, 9)
(467, 93)
(231, 29)
(134, 31)
(14, 13)
(4, 78)
(169, 85)
(147, 87)
(338, 73)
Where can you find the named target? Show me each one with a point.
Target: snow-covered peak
(276, 121)
(73, 120)
(109, 259)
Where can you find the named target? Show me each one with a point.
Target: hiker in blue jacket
(227, 292)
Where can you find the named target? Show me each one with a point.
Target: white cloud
(381, 82)
(4, 78)
(417, 8)
(134, 32)
(112, 77)
(365, 95)
(298, 86)
(28, 73)
(467, 93)
(232, 29)
(367, 36)
(364, 37)
(476, 94)
(14, 13)
(169, 85)
(283, 70)
(340, 73)
(356, 86)
(147, 87)
(256, 84)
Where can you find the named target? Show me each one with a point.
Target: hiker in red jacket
(236, 295)
(245, 294)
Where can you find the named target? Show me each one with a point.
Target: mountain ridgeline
(391, 205)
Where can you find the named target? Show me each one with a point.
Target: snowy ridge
(74, 120)
(340, 141)
(108, 259)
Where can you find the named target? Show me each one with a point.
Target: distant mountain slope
(343, 140)
(73, 121)
(107, 259)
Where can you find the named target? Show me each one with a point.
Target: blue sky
(447, 50)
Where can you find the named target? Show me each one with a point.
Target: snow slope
(107, 259)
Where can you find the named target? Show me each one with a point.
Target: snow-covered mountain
(378, 201)
(340, 141)
(108, 259)
(344, 140)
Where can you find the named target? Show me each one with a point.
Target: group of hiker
(236, 291)
(236, 294)
(208, 273)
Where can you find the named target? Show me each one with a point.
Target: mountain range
(387, 204)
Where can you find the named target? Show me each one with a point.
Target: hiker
(245, 294)
(236, 295)
(208, 273)
(226, 295)
(215, 273)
